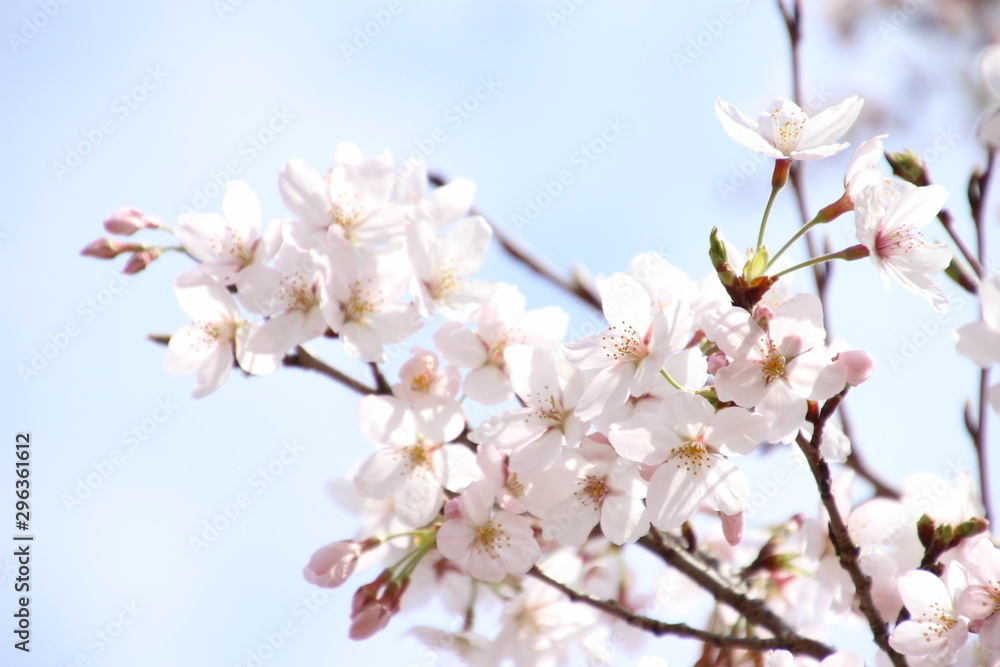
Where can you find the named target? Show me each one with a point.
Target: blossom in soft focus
(225, 246)
(784, 131)
(889, 227)
(422, 376)
(981, 601)
(980, 341)
(127, 221)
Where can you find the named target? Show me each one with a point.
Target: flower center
(490, 539)
(360, 303)
(232, 246)
(594, 492)
(624, 343)
(787, 129)
(692, 455)
(901, 241)
(773, 364)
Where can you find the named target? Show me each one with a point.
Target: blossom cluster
(622, 436)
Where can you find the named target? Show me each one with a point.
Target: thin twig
(978, 189)
(793, 644)
(847, 551)
(754, 610)
(520, 254)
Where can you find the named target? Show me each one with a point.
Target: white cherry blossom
(935, 628)
(443, 265)
(489, 545)
(225, 246)
(415, 462)
(784, 131)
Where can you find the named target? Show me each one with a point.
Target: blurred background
(156, 105)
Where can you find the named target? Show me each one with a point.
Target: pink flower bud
(370, 620)
(140, 260)
(732, 527)
(333, 564)
(103, 248)
(717, 361)
(859, 364)
(127, 221)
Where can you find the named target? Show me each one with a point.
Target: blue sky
(154, 104)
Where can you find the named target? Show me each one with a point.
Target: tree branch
(793, 644)
(754, 610)
(847, 551)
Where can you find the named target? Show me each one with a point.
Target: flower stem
(767, 214)
(849, 254)
(673, 382)
(795, 237)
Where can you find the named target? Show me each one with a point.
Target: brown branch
(978, 188)
(847, 551)
(754, 610)
(583, 292)
(793, 644)
(300, 358)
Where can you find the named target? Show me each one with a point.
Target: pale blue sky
(172, 94)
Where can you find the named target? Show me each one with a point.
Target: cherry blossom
(549, 389)
(218, 336)
(690, 443)
(776, 370)
(604, 490)
(415, 463)
(489, 545)
(628, 355)
(980, 341)
(442, 266)
(227, 246)
(981, 601)
(352, 204)
(420, 376)
(500, 322)
(888, 226)
(935, 628)
(784, 131)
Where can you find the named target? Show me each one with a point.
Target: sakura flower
(606, 490)
(629, 354)
(507, 488)
(442, 266)
(360, 302)
(785, 131)
(415, 462)
(989, 72)
(226, 246)
(350, 205)
(549, 389)
(690, 443)
(980, 341)
(501, 322)
(489, 545)
(471, 648)
(290, 294)
(838, 659)
(981, 601)
(420, 376)
(888, 228)
(935, 628)
(777, 370)
(217, 337)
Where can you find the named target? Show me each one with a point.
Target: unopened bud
(757, 266)
(127, 221)
(140, 260)
(732, 527)
(973, 526)
(925, 530)
(859, 365)
(333, 564)
(908, 166)
(105, 248)
(719, 256)
(716, 361)
(370, 620)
